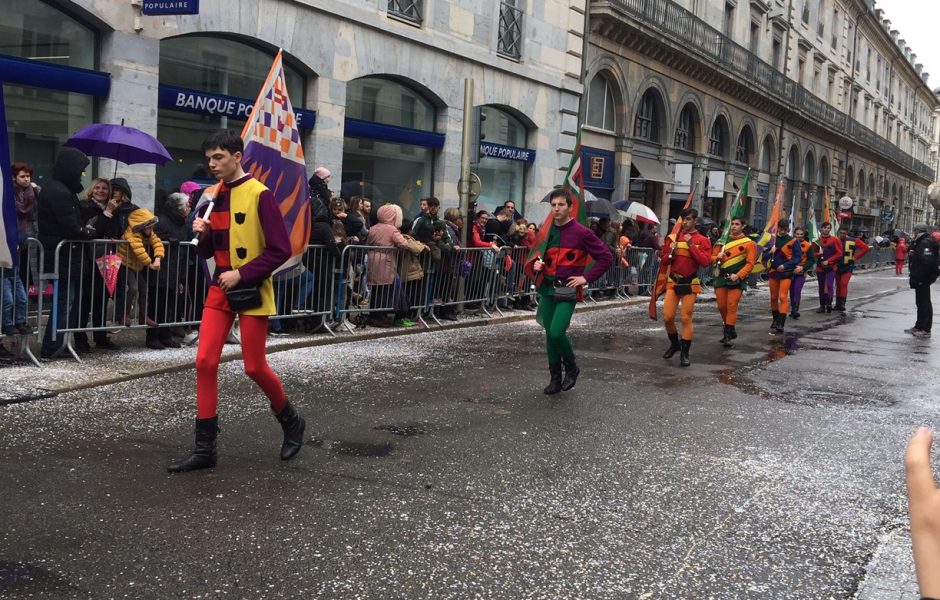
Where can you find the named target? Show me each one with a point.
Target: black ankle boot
(829, 305)
(773, 325)
(554, 385)
(571, 374)
(840, 304)
(684, 353)
(822, 307)
(732, 334)
(726, 339)
(795, 310)
(724, 336)
(673, 345)
(203, 455)
(293, 425)
(781, 323)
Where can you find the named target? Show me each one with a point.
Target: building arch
(862, 193)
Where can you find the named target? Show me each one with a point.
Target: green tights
(555, 318)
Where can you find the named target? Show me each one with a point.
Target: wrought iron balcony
(704, 43)
(407, 10)
(510, 31)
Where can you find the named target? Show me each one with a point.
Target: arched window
(767, 155)
(646, 125)
(745, 146)
(686, 128)
(823, 171)
(850, 180)
(718, 137)
(386, 101)
(809, 168)
(861, 183)
(601, 109)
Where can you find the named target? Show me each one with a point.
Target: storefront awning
(54, 77)
(651, 170)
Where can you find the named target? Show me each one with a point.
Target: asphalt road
(436, 468)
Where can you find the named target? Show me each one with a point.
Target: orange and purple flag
(274, 155)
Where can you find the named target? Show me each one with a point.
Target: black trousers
(924, 307)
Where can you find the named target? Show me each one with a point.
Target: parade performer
(734, 260)
(246, 235)
(560, 278)
(853, 249)
(900, 254)
(799, 273)
(683, 257)
(783, 258)
(828, 255)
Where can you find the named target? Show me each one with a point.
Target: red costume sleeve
(701, 250)
(476, 241)
(861, 248)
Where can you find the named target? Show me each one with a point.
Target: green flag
(812, 230)
(738, 209)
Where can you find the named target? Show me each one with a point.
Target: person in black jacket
(322, 261)
(923, 265)
(60, 218)
(167, 298)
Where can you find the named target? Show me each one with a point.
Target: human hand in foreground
(924, 510)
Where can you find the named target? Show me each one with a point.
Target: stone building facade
(381, 82)
(814, 93)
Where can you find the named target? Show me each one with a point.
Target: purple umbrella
(128, 145)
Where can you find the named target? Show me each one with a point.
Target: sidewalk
(23, 381)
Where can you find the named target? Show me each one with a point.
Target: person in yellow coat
(734, 260)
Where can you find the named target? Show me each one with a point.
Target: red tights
(213, 331)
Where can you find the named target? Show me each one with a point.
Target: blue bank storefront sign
(507, 152)
(203, 103)
(170, 7)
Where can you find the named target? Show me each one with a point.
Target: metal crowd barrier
(307, 290)
(22, 299)
(360, 284)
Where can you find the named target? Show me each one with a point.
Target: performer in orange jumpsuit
(683, 257)
(786, 256)
(735, 259)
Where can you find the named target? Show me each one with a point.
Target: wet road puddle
(350, 448)
(14, 575)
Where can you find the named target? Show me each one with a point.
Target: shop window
(212, 65)
(393, 171)
(502, 179)
(40, 120)
(601, 108)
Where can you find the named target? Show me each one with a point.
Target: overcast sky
(916, 21)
